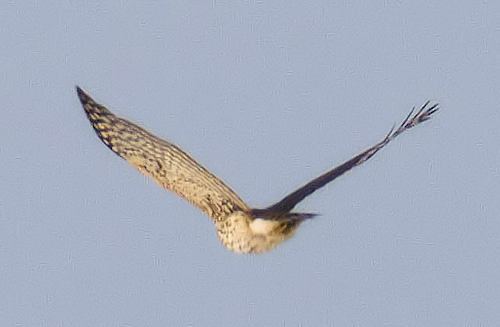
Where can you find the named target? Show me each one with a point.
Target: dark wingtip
(79, 90)
(84, 97)
(433, 109)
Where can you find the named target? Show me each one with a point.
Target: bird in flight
(240, 228)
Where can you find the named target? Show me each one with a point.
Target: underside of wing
(164, 162)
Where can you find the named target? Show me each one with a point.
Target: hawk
(240, 228)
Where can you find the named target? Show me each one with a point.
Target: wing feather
(164, 162)
(291, 200)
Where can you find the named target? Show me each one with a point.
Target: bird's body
(240, 228)
(241, 232)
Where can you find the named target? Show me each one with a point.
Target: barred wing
(291, 200)
(164, 162)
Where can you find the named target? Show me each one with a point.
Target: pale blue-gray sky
(267, 95)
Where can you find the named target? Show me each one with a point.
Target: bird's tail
(269, 214)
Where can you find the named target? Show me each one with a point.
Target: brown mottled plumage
(240, 228)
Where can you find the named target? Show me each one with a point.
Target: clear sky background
(267, 95)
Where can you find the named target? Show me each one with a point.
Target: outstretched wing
(289, 202)
(164, 162)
